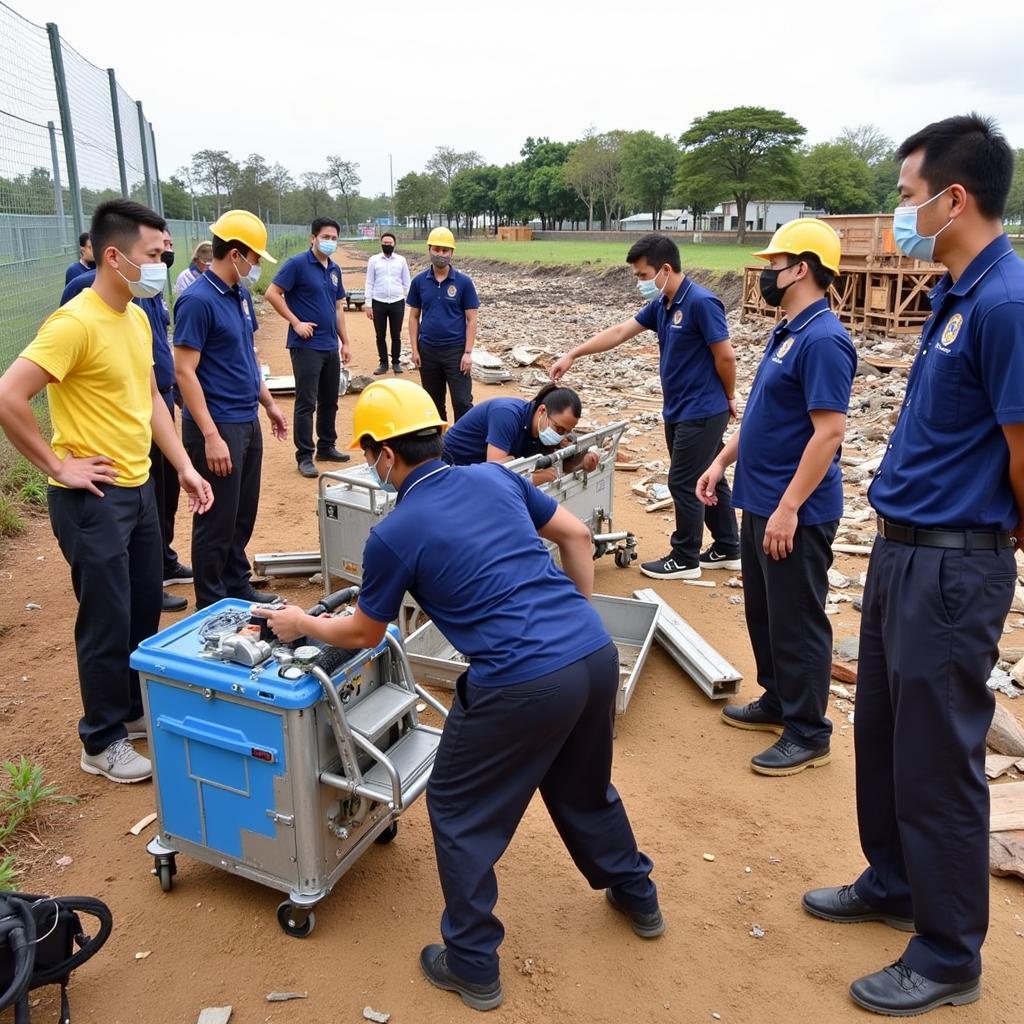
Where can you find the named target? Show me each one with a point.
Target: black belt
(938, 538)
(166, 391)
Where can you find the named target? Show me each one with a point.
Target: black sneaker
(307, 469)
(434, 964)
(712, 558)
(381, 370)
(784, 757)
(647, 926)
(173, 604)
(181, 573)
(751, 716)
(333, 455)
(668, 568)
(396, 367)
(256, 596)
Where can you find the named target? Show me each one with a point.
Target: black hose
(333, 601)
(18, 930)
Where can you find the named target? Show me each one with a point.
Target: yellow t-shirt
(101, 403)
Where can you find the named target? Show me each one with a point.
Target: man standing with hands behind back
(387, 284)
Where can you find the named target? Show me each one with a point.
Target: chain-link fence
(70, 137)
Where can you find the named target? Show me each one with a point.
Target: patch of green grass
(11, 521)
(8, 872)
(23, 793)
(22, 486)
(586, 253)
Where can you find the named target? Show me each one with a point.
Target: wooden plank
(852, 549)
(628, 467)
(1007, 807)
(1006, 734)
(657, 506)
(844, 674)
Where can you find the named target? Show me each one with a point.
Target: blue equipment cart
(280, 764)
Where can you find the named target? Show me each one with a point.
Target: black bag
(38, 940)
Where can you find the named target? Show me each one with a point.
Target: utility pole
(391, 176)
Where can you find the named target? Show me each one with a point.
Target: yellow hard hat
(243, 226)
(441, 236)
(805, 234)
(391, 408)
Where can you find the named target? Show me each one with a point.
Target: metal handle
(398, 650)
(334, 601)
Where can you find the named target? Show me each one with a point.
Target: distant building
(762, 214)
(671, 220)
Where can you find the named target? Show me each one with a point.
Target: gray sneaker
(119, 762)
(137, 728)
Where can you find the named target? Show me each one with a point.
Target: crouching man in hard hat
(790, 488)
(535, 708)
(443, 306)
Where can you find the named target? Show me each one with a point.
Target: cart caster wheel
(388, 834)
(165, 869)
(623, 557)
(295, 921)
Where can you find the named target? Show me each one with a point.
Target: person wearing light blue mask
(949, 501)
(502, 429)
(309, 294)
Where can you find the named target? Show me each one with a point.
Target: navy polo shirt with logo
(312, 292)
(218, 321)
(947, 463)
(504, 422)
(159, 320)
(75, 270)
(808, 365)
(687, 327)
(463, 541)
(442, 306)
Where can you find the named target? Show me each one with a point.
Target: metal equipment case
(284, 772)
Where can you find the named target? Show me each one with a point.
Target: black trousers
(929, 636)
(499, 746)
(389, 314)
(784, 603)
(112, 545)
(219, 565)
(167, 489)
(317, 377)
(692, 447)
(440, 366)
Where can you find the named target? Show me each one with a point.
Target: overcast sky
(297, 81)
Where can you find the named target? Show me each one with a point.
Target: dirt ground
(684, 777)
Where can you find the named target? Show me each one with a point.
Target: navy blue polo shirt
(218, 321)
(463, 541)
(504, 422)
(442, 306)
(808, 365)
(159, 320)
(312, 292)
(75, 270)
(687, 327)
(947, 463)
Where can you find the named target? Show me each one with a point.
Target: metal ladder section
(400, 773)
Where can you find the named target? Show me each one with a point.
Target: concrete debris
(838, 690)
(485, 360)
(709, 856)
(1003, 682)
(369, 1013)
(1000, 764)
(735, 582)
(215, 1015)
(360, 382)
(1006, 735)
(848, 648)
(837, 579)
(523, 355)
(1006, 853)
(33, 607)
(757, 932)
(1017, 672)
(284, 997)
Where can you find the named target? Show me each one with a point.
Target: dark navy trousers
(929, 637)
(499, 746)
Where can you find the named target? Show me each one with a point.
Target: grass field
(585, 253)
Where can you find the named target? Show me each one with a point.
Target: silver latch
(281, 819)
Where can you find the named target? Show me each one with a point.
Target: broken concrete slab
(1006, 735)
(999, 764)
(215, 1015)
(847, 648)
(1007, 807)
(1006, 853)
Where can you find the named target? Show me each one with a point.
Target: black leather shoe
(840, 903)
(899, 991)
(784, 757)
(751, 716)
(396, 368)
(381, 370)
(333, 455)
(647, 926)
(254, 595)
(434, 964)
(306, 468)
(173, 604)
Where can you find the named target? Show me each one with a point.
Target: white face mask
(152, 279)
(250, 279)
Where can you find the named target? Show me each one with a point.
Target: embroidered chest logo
(950, 331)
(451, 291)
(334, 278)
(677, 318)
(781, 351)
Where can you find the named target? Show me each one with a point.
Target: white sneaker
(137, 728)
(119, 762)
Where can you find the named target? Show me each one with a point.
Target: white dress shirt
(387, 278)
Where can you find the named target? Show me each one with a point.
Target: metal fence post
(58, 191)
(118, 138)
(156, 173)
(64, 106)
(145, 155)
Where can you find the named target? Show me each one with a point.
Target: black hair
(221, 248)
(388, 234)
(324, 222)
(555, 398)
(823, 277)
(412, 449)
(965, 150)
(117, 222)
(83, 238)
(656, 250)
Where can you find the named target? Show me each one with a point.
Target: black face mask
(387, 249)
(770, 290)
(91, 264)
(167, 258)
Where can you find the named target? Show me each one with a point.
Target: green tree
(836, 179)
(447, 162)
(884, 176)
(472, 192)
(549, 195)
(1015, 200)
(749, 151)
(214, 170)
(282, 183)
(419, 195)
(344, 176)
(867, 141)
(177, 201)
(649, 165)
(513, 193)
(252, 188)
(593, 169)
(696, 191)
(315, 194)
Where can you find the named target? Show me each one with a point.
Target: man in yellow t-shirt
(94, 356)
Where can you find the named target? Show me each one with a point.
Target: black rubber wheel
(359, 307)
(298, 922)
(623, 558)
(388, 834)
(165, 875)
